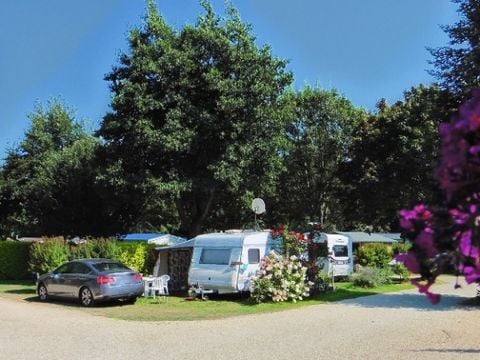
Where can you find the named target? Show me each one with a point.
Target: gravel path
(390, 326)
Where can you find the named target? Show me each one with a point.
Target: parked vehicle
(91, 280)
(226, 262)
(337, 256)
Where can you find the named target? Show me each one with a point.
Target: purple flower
(410, 261)
(472, 274)
(466, 247)
(459, 216)
(425, 289)
(425, 241)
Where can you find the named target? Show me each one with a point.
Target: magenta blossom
(410, 261)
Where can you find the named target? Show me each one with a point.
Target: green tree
(196, 125)
(46, 182)
(457, 65)
(393, 157)
(319, 137)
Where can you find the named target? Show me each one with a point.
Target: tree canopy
(457, 65)
(197, 119)
(46, 182)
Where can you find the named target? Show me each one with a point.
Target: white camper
(338, 257)
(226, 262)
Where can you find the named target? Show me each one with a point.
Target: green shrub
(133, 256)
(47, 256)
(370, 277)
(374, 255)
(280, 279)
(401, 271)
(14, 260)
(103, 248)
(401, 247)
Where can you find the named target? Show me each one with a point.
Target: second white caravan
(337, 259)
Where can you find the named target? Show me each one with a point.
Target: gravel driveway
(390, 326)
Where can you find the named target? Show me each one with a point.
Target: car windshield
(110, 266)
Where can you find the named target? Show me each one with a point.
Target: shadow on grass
(20, 291)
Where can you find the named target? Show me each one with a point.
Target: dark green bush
(370, 277)
(374, 255)
(14, 260)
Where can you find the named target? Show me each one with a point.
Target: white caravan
(338, 257)
(226, 262)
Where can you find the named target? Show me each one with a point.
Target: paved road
(391, 326)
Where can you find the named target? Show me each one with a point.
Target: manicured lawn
(179, 309)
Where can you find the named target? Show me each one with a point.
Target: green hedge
(46, 256)
(14, 260)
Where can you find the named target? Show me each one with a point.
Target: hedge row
(14, 257)
(19, 260)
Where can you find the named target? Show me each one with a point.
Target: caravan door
(250, 263)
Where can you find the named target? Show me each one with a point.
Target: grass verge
(176, 308)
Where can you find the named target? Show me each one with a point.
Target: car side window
(62, 269)
(79, 268)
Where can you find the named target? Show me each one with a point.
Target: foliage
(280, 279)
(319, 135)
(370, 277)
(196, 127)
(133, 256)
(449, 233)
(374, 255)
(290, 242)
(46, 256)
(46, 185)
(401, 247)
(14, 260)
(401, 271)
(456, 65)
(393, 156)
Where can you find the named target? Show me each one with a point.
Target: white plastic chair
(160, 284)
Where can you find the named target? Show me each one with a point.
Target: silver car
(91, 280)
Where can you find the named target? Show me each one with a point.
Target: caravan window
(253, 256)
(215, 256)
(340, 250)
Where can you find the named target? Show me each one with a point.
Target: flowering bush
(450, 234)
(280, 279)
(293, 243)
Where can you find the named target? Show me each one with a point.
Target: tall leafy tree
(196, 125)
(393, 158)
(47, 181)
(319, 136)
(457, 65)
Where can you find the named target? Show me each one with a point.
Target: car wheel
(42, 292)
(86, 297)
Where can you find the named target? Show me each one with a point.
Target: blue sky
(367, 49)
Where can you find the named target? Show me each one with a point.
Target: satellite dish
(258, 206)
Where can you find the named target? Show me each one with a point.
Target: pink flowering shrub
(449, 234)
(280, 279)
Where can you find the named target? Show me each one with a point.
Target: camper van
(336, 258)
(226, 262)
